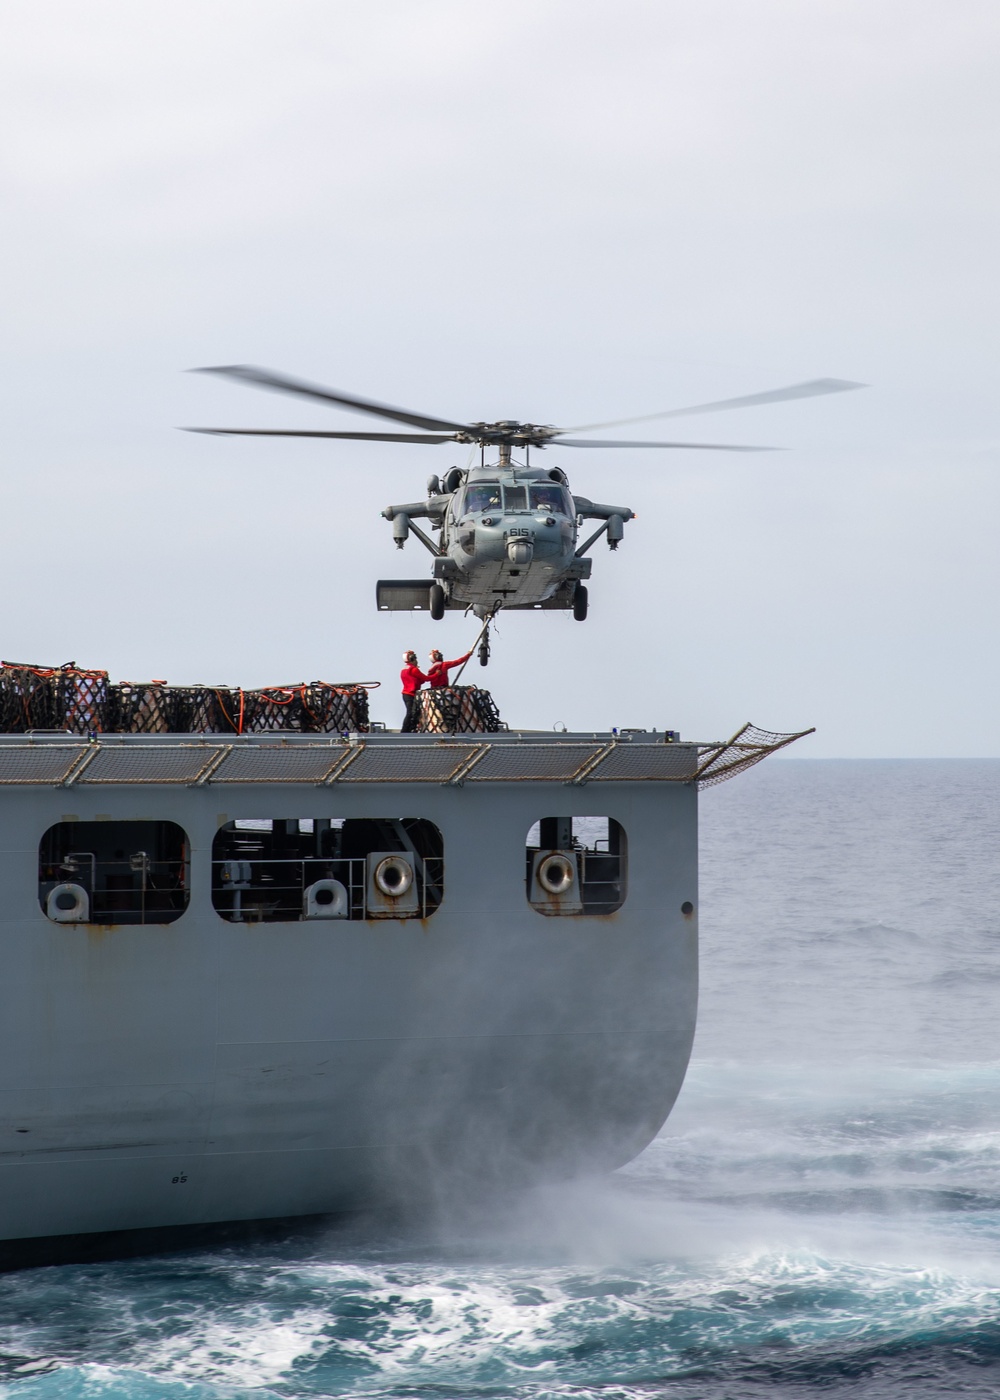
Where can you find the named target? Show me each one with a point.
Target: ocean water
(821, 1214)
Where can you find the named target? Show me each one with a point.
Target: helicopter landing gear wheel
(437, 602)
(580, 603)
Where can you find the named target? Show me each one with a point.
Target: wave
(226, 1326)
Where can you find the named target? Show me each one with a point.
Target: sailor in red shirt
(412, 678)
(438, 673)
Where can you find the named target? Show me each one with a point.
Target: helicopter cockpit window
(551, 499)
(485, 495)
(515, 498)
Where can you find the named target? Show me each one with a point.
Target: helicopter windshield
(549, 498)
(485, 495)
(515, 498)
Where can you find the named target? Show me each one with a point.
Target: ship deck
(60, 759)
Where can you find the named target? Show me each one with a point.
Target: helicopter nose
(519, 551)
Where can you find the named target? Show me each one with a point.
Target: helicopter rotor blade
(356, 437)
(285, 384)
(700, 446)
(811, 388)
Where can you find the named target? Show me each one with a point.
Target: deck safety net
(747, 746)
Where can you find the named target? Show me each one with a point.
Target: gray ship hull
(204, 1070)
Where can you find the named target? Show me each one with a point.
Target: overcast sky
(559, 211)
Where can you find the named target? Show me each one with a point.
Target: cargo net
(456, 709)
(86, 702)
(747, 747)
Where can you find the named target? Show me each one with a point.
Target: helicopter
(507, 532)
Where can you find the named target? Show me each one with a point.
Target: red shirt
(438, 674)
(412, 678)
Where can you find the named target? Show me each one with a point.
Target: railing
(275, 889)
(601, 875)
(601, 881)
(135, 890)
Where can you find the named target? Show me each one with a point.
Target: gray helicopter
(507, 532)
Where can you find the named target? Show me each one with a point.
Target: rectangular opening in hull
(284, 870)
(112, 872)
(576, 865)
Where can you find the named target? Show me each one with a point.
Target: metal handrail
(428, 870)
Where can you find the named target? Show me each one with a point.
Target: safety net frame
(748, 746)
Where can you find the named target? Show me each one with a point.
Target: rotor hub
(510, 433)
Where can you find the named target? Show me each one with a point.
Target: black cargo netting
(456, 709)
(47, 697)
(26, 700)
(143, 709)
(741, 752)
(85, 702)
(313, 709)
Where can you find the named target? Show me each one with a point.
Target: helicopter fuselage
(508, 537)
